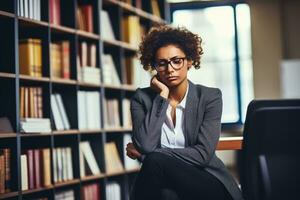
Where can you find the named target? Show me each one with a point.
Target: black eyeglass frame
(167, 63)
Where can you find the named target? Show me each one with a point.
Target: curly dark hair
(164, 35)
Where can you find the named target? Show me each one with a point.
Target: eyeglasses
(176, 63)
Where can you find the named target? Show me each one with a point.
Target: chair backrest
(269, 165)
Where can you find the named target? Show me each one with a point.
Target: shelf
(7, 75)
(31, 22)
(9, 195)
(128, 171)
(120, 129)
(62, 29)
(66, 183)
(66, 132)
(34, 134)
(88, 35)
(137, 11)
(116, 173)
(91, 131)
(32, 78)
(230, 143)
(8, 135)
(129, 87)
(92, 177)
(36, 190)
(121, 44)
(114, 87)
(89, 84)
(63, 81)
(6, 14)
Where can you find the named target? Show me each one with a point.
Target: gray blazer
(202, 129)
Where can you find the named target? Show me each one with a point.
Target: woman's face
(172, 65)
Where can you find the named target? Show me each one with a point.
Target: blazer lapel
(190, 118)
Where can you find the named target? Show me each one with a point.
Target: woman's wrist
(164, 93)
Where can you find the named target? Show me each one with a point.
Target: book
(129, 163)
(5, 125)
(89, 157)
(54, 12)
(110, 74)
(132, 31)
(113, 191)
(106, 29)
(46, 167)
(89, 110)
(85, 18)
(113, 161)
(24, 172)
(60, 59)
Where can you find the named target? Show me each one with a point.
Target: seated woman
(177, 124)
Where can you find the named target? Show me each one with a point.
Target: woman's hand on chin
(158, 86)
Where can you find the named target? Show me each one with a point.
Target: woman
(176, 124)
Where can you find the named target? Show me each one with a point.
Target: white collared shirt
(173, 137)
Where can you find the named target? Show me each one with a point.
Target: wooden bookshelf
(50, 29)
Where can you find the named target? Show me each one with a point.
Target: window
(227, 59)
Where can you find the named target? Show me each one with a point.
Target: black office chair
(269, 163)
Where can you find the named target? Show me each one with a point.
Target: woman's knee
(155, 159)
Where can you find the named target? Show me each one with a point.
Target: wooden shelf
(9, 195)
(6, 14)
(93, 177)
(62, 29)
(36, 190)
(115, 173)
(129, 87)
(32, 78)
(88, 84)
(120, 129)
(87, 35)
(114, 87)
(7, 75)
(137, 11)
(230, 143)
(66, 132)
(88, 131)
(8, 135)
(63, 81)
(31, 22)
(66, 183)
(35, 134)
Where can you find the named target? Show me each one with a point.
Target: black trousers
(160, 172)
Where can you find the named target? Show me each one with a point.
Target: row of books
(31, 102)
(89, 164)
(5, 173)
(36, 164)
(89, 111)
(88, 71)
(30, 9)
(60, 59)
(30, 57)
(62, 164)
(35, 168)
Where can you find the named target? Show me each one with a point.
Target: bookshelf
(66, 41)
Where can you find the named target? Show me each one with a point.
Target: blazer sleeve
(147, 124)
(208, 135)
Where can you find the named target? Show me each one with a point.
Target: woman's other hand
(132, 152)
(158, 86)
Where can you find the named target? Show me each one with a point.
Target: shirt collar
(183, 101)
